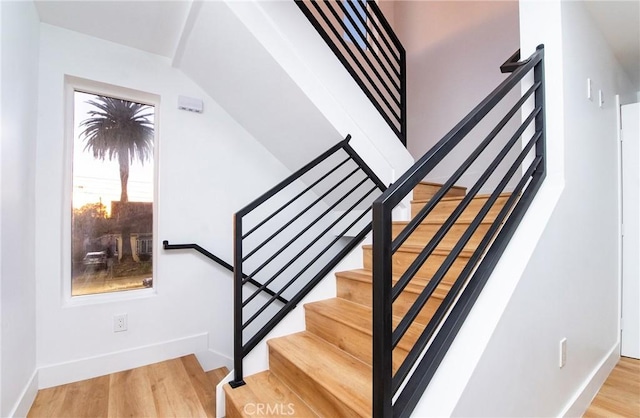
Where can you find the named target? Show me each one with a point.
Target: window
(356, 12)
(112, 198)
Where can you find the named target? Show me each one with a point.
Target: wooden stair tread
(459, 198)
(441, 250)
(265, 389)
(426, 190)
(415, 286)
(435, 222)
(334, 382)
(359, 317)
(429, 183)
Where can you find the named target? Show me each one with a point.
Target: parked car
(96, 259)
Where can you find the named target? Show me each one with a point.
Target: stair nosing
(452, 198)
(412, 248)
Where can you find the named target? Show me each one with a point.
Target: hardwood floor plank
(619, 396)
(203, 387)
(88, 398)
(173, 393)
(173, 388)
(130, 394)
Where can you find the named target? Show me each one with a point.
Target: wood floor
(179, 388)
(173, 388)
(619, 396)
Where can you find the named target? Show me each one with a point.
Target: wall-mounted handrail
(211, 256)
(519, 168)
(362, 39)
(291, 237)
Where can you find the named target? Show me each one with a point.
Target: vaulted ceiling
(157, 26)
(152, 26)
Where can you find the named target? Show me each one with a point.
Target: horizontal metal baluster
(357, 63)
(416, 352)
(295, 198)
(304, 250)
(349, 16)
(364, 56)
(425, 164)
(388, 30)
(422, 214)
(295, 176)
(307, 288)
(419, 303)
(427, 333)
(448, 224)
(295, 218)
(321, 253)
(377, 33)
(277, 253)
(319, 199)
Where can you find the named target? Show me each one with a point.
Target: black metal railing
(291, 237)
(363, 40)
(515, 165)
(213, 257)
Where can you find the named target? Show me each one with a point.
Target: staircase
(326, 370)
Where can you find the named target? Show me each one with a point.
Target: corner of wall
(26, 398)
(89, 367)
(589, 389)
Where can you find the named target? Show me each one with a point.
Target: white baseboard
(589, 389)
(27, 396)
(211, 359)
(87, 368)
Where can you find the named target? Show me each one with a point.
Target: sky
(95, 180)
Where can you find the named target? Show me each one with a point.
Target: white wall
(19, 34)
(209, 167)
(570, 287)
(454, 51)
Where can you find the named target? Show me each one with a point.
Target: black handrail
(360, 36)
(211, 256)
(299, 231)
(407, 385)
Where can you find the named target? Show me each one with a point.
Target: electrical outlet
(119, 323)
(562, 360)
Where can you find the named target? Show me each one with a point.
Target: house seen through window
(113, 181)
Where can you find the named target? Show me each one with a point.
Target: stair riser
(316, 396)
(426, 191)
(402, 260)
(425, 232)
(352, 340)
(231, 409)
(360, 292)
(443, 209)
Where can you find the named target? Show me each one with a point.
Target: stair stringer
(293, 42)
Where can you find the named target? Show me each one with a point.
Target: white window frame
(71, 85)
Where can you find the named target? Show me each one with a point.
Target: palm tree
(119, 129)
